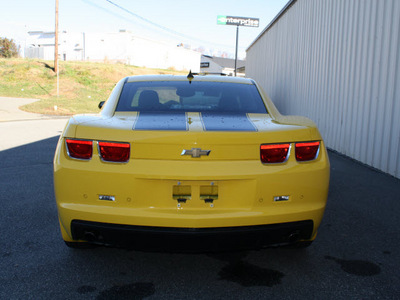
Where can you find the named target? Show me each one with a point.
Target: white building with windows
(212, 64)
(120, 46)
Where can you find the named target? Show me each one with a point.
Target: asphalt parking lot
(355, 256)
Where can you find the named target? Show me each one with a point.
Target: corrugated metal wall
(338, 63)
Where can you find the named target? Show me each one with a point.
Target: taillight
(306, 151)
(274, 153)
(114, 152)
(80, 149)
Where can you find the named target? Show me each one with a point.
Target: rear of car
(204, 162)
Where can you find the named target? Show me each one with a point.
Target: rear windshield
(197, 96)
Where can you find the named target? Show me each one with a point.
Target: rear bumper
(191, 239)
(147, 193)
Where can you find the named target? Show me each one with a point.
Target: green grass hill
(82, 85)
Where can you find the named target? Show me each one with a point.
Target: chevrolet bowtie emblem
(196, 152)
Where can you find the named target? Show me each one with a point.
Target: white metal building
(120, 46)
(338, 63)
(212, 64)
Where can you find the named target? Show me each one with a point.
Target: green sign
(221, 20)
(238, 21)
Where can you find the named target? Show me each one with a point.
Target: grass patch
(82, 85)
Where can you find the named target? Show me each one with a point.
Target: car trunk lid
(194, 136)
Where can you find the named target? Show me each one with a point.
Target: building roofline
(226, 62)
(272, 23)
(40, 31)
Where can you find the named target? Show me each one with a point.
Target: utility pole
(56, 42)
(84, 47)
(236, 51)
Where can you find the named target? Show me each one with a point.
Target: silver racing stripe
(227, 122)
(161, 121)
(194, 121)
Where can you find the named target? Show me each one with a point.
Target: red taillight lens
(274, 153)
(307, 151)
(80, 149)
(114, 152)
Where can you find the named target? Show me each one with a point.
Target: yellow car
(193, 163)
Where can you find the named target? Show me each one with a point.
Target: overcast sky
(173, 21)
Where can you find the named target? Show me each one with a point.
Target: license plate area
(195, 194)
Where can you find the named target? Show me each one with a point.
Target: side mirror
(101, 104)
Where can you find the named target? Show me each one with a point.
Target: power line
(163, 27)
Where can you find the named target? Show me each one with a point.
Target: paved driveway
(355, 256)
(19, 128)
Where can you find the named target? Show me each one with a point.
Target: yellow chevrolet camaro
(190, 162)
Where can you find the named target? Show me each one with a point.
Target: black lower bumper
(191, 239)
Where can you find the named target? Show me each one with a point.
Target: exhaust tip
(89, 236)
(294, 237)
